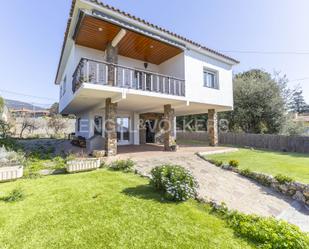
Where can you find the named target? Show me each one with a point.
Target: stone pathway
(236, 191)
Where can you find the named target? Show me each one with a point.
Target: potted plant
(11, 165)
(174, 146)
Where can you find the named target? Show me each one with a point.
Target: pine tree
(298, 104)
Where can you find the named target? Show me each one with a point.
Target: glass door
(123, 130)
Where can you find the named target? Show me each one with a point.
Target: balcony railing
(109, 74)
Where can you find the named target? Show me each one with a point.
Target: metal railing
(109, 74)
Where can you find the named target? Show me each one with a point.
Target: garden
(112, 207)
(294, 165)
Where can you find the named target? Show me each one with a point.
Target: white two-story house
(117, 71)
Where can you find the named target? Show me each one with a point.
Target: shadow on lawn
(145, 192)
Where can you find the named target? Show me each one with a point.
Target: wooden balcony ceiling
(96, 33)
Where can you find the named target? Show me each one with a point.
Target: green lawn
(291, 164)
(105, 209)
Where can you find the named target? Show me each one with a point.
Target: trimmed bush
(283, 179)
(16, 194)
(246, 172)
(122, 165)
(234, 163)
(265, 232)
(176, 182)
(218, 163)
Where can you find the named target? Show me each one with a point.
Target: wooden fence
(264, 141)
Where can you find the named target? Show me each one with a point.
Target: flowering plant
(176, 182)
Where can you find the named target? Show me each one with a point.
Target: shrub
(283, 179)
(218, 163)
(123, 165)
(10, 157)
(266, 232)
(234, 163)
(174, 181)
(42, 152)
(10, 144)
(70, 157)
(16, 194)
(246, 172)
(59, 162)
(32, 168)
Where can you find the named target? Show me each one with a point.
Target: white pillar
(136, 128)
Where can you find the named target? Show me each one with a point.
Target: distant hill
(15, 104)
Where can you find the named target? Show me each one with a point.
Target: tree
(27, 125)
(57, 123)
(5, 128)
(54, 109)
(259, 103)
(297, 103)
(293, 128)
(1, 104)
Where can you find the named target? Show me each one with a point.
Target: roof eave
(146, 24)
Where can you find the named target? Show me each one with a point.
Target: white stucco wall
(195, 90)
(188, 65)
(175, 66)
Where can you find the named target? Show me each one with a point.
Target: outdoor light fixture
(100, 29)
(145, 65)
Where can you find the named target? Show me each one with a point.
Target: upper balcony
(109, 74)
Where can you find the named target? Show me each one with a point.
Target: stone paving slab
(238, 192)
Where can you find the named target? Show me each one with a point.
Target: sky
(270, 35)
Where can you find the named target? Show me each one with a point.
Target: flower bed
(82, 165)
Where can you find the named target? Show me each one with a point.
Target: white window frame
(216, 78)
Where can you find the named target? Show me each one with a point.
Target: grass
(294, 165)
(106, 209)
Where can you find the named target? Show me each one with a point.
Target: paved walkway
(220, 185)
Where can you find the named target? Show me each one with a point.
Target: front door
(150, 131)
(123, 130)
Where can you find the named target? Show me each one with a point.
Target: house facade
(126, 80)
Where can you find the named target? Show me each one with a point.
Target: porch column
(168, 118)
(212, 127)
(110, 128)
(111, 57)
(136, 128)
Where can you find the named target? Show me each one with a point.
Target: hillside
(15, 104)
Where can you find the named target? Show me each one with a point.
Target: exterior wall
(195, 90)
(174, 66)
(88, 126)
(188, 65)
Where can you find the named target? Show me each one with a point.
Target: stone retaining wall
(295, 190)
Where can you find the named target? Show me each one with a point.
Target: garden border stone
(296, 190)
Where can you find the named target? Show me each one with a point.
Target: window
(211, 79)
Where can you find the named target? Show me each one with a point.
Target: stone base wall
(212, 127)
(110, 128)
